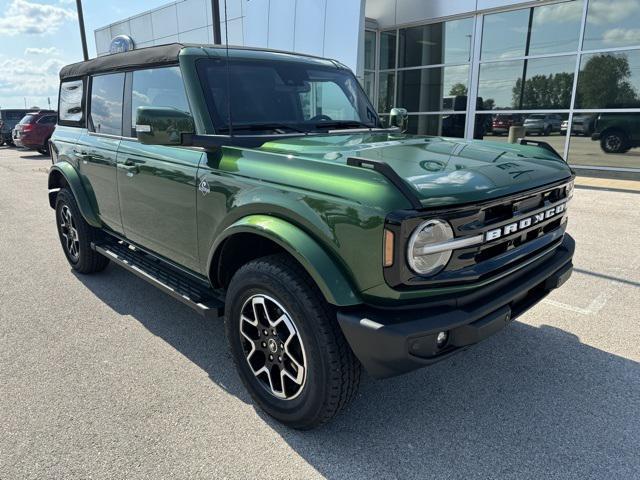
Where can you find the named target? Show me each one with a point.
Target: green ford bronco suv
(260, 186)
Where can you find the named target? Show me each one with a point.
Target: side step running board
(191, 292)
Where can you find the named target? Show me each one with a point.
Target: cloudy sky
(40, 36)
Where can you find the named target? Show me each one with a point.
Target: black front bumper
(390, 342)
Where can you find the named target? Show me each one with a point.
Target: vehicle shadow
(530, 402)
(36, 156)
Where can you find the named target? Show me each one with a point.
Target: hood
(441, 171)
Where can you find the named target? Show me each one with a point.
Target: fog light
(441, 339)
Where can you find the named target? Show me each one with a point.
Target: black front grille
(490, 257)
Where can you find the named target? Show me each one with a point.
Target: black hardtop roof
(162, 55)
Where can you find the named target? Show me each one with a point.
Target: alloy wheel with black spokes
(273, 347)
(76, 235)
(614, 142)
(286, 343)
(69, 233)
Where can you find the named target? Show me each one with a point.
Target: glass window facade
(611, 24)
(609, 80)
(568, 71)
(429, 75)
(435, 44)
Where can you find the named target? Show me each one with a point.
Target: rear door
(157, 184)
(96, 149)
(44, 128)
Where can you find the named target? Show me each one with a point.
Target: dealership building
(567, 71)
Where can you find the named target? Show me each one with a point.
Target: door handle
(81, 154)
(130, 166)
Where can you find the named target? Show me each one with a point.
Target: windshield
(536, 117)
(283, 96)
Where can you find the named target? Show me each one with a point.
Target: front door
(157, 184)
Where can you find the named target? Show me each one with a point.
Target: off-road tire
(44, 150)
(86, 260)
(332, 370)
(614, 141)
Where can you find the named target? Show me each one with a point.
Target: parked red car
(502, 123)
(34, 130)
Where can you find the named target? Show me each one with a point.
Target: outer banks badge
(204, 187)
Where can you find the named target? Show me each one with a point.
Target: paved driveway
(105, 377)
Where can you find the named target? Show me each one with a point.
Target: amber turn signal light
(388, 248)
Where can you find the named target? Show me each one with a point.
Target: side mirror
(399, 118)
(162, 125)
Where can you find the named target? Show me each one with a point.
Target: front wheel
(76, 235)
(286, 343)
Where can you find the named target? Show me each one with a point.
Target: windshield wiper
(346, 124)
(264, 126)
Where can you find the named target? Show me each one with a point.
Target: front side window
(106, 103)
(70, 107)
(296, 95)
(157, 87)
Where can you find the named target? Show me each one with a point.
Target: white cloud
(611, 12)
(621, 36)
(20, 77)
(24, 17)
(41, 51)
(560, 13)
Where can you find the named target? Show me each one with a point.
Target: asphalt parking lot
(106, 377)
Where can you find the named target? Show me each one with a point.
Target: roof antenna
(226, 41)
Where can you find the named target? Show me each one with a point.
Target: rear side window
(106, 104)
(157, 87)
(48, 120)
(70, 105)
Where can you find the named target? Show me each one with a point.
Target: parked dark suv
(35, 130)
(9, 118)
(617, 132)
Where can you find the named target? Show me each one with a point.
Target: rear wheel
(288, 348)
(76, 235)
(44, 150)
(614, 141)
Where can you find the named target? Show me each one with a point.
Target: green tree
(543, 91)
(458, 89)
(488, 104)
(604, 82)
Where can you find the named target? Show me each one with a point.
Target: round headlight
(429, 233)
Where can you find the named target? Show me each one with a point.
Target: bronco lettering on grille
(524, 223)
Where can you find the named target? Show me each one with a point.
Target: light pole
(83, 37)
(215, 9)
